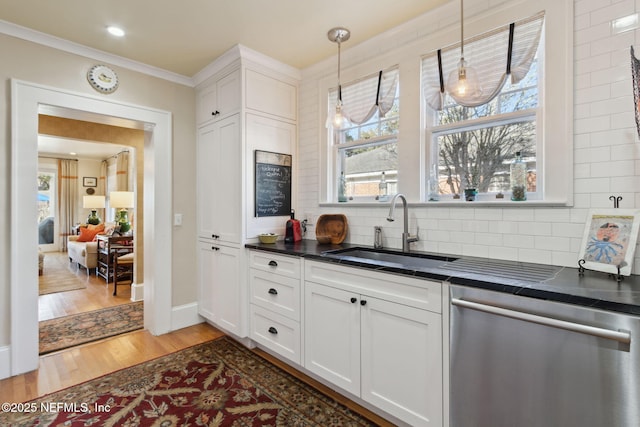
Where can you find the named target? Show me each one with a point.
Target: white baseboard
(185, 315)
(137, 292)
(5, 362)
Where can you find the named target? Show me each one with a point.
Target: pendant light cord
(461, 28)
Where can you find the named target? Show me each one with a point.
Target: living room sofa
(84, 254)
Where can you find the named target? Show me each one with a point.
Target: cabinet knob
(272, 263)
(273, 330)
(215, 248)
(215, 113)
(363, 302)
(353, 300)
(272, 291)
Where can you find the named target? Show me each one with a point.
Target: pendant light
(463, 85)
(338, 35)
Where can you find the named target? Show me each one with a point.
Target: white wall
(69, 74)
(606, 153)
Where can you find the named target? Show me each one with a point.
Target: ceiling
(185, 36)
(64, 147)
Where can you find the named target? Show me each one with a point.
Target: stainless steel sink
(386, 258)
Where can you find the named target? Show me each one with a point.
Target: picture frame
(89, 181)
(609, 240)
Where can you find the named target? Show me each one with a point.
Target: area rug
(68, 331)
(218, 383)
(58, 277)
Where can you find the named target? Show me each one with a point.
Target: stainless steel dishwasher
(519, 362)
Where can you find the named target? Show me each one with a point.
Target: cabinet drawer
(280, 264)
(419, 293)
(275, 293)
(277, 333)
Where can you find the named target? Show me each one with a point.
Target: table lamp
(93, 203)
(122, 200)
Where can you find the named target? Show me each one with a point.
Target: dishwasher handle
(620, 336)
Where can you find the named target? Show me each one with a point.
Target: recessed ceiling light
(73, 153)
(116, 31)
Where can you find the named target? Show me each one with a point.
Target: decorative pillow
(99, 227)
(87, 235)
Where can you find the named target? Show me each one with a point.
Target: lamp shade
(93, 202)
(121, 199)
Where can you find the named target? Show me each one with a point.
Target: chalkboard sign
(273, 184)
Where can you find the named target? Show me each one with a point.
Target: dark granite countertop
(561, 284)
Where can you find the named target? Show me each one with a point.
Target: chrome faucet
(406, 237)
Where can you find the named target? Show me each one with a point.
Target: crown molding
(44, 39)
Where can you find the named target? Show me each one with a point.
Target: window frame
(433, 131)
(335, 148)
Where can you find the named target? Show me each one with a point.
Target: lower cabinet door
(227, 289)
(206, 272)
(332, 335)
(402, 361)
(219, 289)
(276, 332)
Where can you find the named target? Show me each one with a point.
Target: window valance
(363, 98)
(495, 55)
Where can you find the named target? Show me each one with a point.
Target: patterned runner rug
(218, 383)
(68, 331)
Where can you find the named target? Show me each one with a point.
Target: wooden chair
(122, 270)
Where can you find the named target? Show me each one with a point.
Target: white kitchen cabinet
(332, 335)
(275, 296)
(219, 98)
(242, 91)
(219, 181)
(219, 297)
(369, 334)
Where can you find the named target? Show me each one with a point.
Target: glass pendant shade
(338, 121)
(463, 84)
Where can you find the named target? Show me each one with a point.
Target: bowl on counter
(268, 237)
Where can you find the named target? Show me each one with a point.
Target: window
(474, 146)
(366, 147)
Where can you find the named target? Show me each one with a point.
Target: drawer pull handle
(273, 291)
(273, 330)
(363, 302)
(353, 300)
(272, 263)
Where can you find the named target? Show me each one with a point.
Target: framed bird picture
(609, 240)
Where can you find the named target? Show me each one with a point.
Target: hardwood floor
(78, 364)
(82, 363)
(95, 296)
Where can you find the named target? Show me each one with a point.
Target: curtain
(488, 55)
(363, 98)
(122, 171)
(67, 198)
(102, 184)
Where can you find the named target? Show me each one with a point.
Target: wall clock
(103, 79)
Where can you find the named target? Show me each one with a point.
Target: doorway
(28, 101)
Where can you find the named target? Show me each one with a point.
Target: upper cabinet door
(219, 99)
(272, 96)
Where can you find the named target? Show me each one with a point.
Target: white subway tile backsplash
(606, 151)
